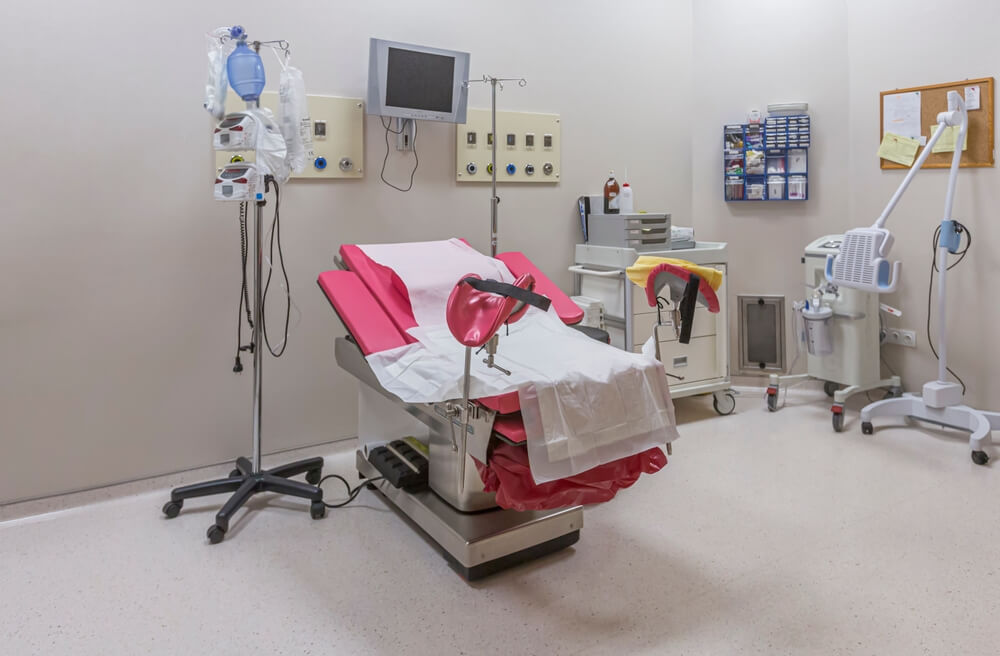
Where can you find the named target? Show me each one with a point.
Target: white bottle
(626, 202)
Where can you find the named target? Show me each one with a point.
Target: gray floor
(766, 533)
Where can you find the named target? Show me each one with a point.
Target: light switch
(489, 138)
(529, 140)
(511, 140)
(319, 129)
(547, 141)
(470, 138)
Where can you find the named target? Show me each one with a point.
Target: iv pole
(494, 82)
(249, 478)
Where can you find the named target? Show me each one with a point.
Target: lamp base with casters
(243, 483)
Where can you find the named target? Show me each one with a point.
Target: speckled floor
(767, 533)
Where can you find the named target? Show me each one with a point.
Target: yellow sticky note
(901, 150)
(946, 144)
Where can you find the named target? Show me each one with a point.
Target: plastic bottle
(611, 190)
(626, 202)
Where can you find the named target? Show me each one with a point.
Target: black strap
(505, 289)
(687, 306)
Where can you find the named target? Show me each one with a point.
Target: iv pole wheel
(724, 403)
(313, 476)
(867, 428)
(317, 510)
(980, 457)
(215, 534)
(830, 388)
(172, 508)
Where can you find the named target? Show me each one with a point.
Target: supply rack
(767, 161)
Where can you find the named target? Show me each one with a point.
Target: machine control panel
(527, 150)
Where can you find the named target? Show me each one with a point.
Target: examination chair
(481, 505)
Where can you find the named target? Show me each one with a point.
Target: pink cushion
(475, 316)
(383, 283)
(706, 294)
(362, 315)
(519, 264)
(504, 404)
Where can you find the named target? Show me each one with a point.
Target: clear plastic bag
(293, 116)
(218, 47)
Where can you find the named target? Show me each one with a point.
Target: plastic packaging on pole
(218, 48)
(293, 117)
(270, 147)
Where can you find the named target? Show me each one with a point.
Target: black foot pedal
(401, 464)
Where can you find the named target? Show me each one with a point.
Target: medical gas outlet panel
(528, 147)
(337, 130)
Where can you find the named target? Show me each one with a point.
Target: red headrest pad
(475, 316)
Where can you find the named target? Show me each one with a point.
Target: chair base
(244, 483)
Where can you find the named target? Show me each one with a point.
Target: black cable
(413, 145)
(352, 493)
(244, 294)
(276, 235)
(961, 229)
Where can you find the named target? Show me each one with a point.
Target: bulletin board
(934, 99)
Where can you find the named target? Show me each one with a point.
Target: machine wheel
(830, 388)
(980, 457)
(235, 473)
(728, 404)
(772, 401)
(215, 534)
(172, 508)
(867, 428)
(838, 421)
(317, 510)
(894, 392)
(313, 476)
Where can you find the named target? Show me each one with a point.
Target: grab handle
(600, 273)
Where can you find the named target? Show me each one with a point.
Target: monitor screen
(419, 80)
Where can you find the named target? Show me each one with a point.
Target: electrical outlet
(901, 337)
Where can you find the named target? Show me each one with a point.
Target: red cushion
(362, 315)
(511, 427)
(707, 295)
(504, 404)
(475, 316)
(519, 264)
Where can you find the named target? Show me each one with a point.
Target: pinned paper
(946, 144)
(901, 114)
(971, 99)
(901, 150)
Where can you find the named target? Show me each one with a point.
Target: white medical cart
(701, 367)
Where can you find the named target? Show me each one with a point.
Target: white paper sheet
(901, 114)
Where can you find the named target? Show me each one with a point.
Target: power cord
(352, 493)
(962, 230)
(416, 159)
(276, 236)
(244, 293)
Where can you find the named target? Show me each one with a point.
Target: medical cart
(701, 367)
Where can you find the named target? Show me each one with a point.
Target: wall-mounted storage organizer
(767, 161)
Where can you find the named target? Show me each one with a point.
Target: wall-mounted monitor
(417, 82)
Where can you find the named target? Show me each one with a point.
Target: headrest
(676, 278)
(477, 308)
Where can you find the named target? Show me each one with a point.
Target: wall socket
(901, 337)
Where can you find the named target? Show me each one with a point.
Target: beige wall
(120, 281)
(746, 56)
(880, 59)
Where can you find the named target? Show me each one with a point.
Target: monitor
(417, 82)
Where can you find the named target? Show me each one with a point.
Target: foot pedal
(402, 465)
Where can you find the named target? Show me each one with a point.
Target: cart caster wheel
(894, 392)
(980, 457)
(172, 508)
(838, 421)
(728, 404)
(235, 473)
(867, 428)
(772, 402)
(313, 476)
(830, 388)
(216, 533)
(317, 510)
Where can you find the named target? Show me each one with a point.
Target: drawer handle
(680, 361)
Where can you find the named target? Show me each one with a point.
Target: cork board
(934, 99)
